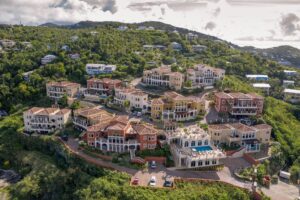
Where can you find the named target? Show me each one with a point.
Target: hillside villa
(85, 117)
(163, 77)
(286, 83)
(192, 148)
(264, 87)
(239, 104)
(45, 120)
(103, 86)
(95, 69)
(57, 90)
(120, 135)
(290, 72)
(291, 95)
(176, 107)
(203, 75)
(137, 99)
(257, 77)
(240, 135)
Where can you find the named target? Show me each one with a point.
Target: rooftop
(238, 126)
(63, 84)
(291, 91)
(47, 111)
(261, 85)
(190, 132)
(93, 112)
(144, 129)
(105, 80)
(262, 126)
(238, 95)
(256, 76)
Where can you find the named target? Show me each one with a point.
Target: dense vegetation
(61, 176)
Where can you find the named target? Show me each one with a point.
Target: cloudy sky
(260, 23)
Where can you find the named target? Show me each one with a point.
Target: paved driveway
(282, 191)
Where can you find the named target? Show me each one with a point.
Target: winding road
(281, 191)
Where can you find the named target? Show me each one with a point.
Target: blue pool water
(202, 148)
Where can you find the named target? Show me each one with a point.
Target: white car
(152, 181)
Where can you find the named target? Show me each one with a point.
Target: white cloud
(264, 22)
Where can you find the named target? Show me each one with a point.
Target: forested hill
(156, 25)
(286, 55)
(106, 44)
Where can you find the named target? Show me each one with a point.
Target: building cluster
(191, 146)
(199, 76)
(290, 94)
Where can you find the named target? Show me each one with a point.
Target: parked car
(152, 181)
(139, 114)
(153, 164)
(65, 138)
(135, 181)
(168, 183)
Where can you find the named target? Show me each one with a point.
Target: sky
(259, 23)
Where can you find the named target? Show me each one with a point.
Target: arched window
(186, 144)
(193, 164)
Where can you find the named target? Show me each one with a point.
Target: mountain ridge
(285, 55)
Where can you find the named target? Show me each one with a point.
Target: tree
(63, 101)
(75, 105)
(126, 104)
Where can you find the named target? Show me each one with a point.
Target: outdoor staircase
(135, 159)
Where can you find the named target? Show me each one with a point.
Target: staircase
(135, 159)
(132, 153)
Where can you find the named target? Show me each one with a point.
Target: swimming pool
(202, 148)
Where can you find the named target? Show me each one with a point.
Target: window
(207, 162)
(200, 143)
(200, 163)
(214, 162)
(186, 144)
(193, 163)
(206, 142)
(193, 143)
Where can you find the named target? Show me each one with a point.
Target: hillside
(285, 55)
(102, 43)
(154, 24)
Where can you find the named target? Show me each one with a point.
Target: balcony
(243, 113)
(244, 106)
